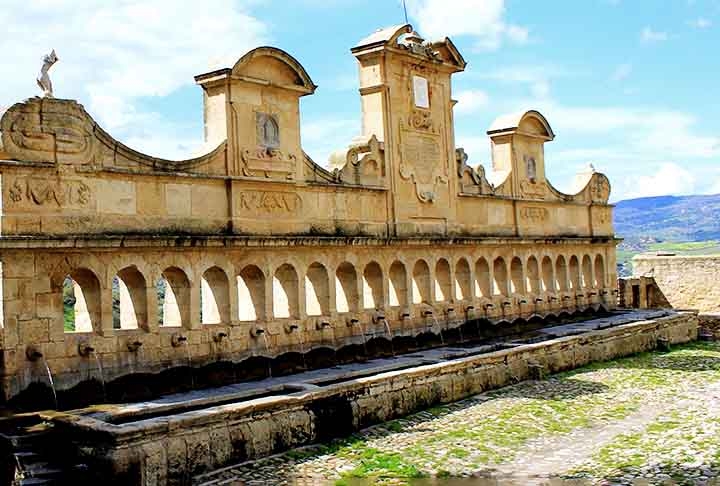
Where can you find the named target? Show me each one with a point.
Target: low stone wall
(687, 282)
(172, 449)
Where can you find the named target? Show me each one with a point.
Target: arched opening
(443, 282)
(599, 272)
(587, 280)
(532, 277)
(561, 274)
(548, 278)
(463, 280)
(500, 277)
(81, 301)
(129, 292)
(173, 290)
(285, 292)
(251, 294)
(317, 290)
(398, 285)
(373, 286)
(517, 280)
(574, 273)
(214, 296)
(346, 288)
(483, 286)
(421, 283)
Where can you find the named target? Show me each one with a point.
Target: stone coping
(147, 430)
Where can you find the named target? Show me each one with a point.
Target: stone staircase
(32, 456)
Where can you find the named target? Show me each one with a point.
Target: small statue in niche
(43, 80)
(531, 169)
(268, 132)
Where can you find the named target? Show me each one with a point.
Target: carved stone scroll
(269, 202)
(269, 163)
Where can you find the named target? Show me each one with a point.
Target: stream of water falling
(364, 337)
(267, 351)
(301, 340)
(189, 362)
(436, 324)
(52, 382)
(98, 361)
(390, 336)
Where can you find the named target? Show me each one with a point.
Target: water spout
(219, 337)
(32, 353)
(85, 350)
(134, 346)
(178, 340)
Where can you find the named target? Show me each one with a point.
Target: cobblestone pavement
(649, 419)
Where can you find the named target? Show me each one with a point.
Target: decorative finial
(44, 79)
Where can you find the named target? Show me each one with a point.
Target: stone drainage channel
(171, 439)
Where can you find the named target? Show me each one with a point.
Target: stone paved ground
(649, 419)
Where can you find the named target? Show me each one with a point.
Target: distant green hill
(679, 224)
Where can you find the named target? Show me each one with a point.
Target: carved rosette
(48, 130)
(268, 163)
(599, 188)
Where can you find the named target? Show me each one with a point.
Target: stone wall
(687, 282)
(170, 450)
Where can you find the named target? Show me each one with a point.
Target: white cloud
(482, 19)
(621, 72)
(114, 54)
(667, 179)
(700, 23)
(323, 136)
(470, 101)
(649, 35)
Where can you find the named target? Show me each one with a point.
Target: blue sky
(631, 86)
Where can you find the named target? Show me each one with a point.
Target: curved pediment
(531, 123)
(276, 66)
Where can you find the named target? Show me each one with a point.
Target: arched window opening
(463, 280)
(561, 274)
(500, 277)
(421, 283)
(173, 290)
(346, 288)
(317, 290)
(587, 280)
(285, 292)
(398, 285)
(443, 282)
(533, 276)
(251, 294)
(517, 280)
(548, 278)
(483, 285)
(599, 272)
(373, 286)
(129, 294)
(81, 301)
(214, 296)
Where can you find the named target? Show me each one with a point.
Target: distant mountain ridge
(669, 218)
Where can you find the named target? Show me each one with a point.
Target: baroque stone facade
(131, 263)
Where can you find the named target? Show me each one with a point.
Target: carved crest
(422, 163)
(269, 163)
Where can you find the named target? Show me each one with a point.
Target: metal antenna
(405, 10)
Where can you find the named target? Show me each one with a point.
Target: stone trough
(173, 439)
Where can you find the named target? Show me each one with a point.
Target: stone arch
(129, 291)
(421, 283)
(373, 286)
(599, 272)
(214, 296)
(398, 284)
(500, 277)
(561, 274)
(548, 276)
(317, 290)
(463, 280)
(174, 298)
(532, 276)
(251, 294)
(285, 292)
(443, 281)
(346, 288)
(574, 271)
(82, 305)
(517, 280)
(483, 285)
(587, 278)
